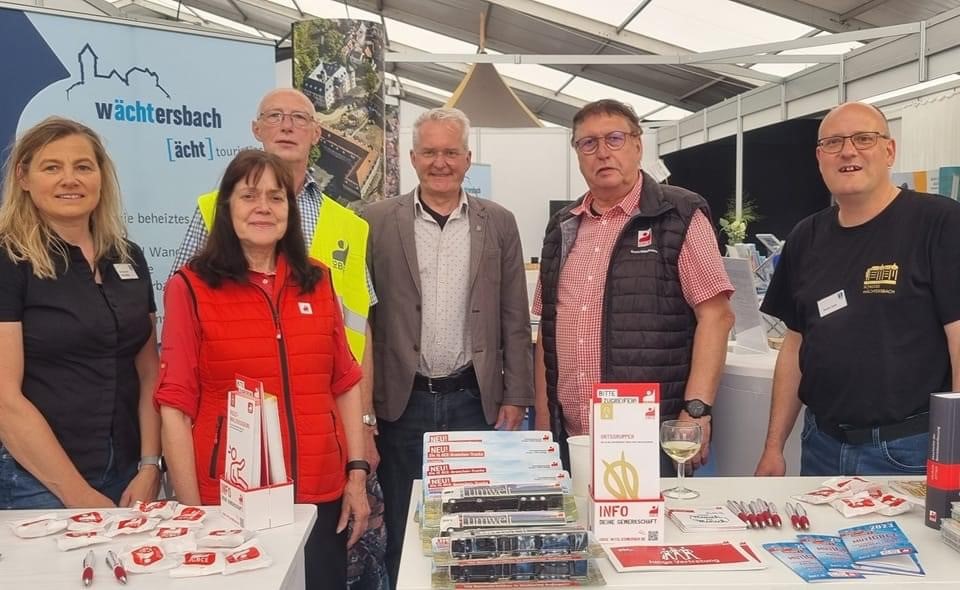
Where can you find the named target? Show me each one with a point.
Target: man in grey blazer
(451, 329)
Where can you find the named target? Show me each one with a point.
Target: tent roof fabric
(532, 27)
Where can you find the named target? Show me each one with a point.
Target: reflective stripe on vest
(340, 242)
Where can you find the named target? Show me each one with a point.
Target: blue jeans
(401, 453)
(821, 454)
(20, 490)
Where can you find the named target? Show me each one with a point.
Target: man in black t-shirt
(870, 292)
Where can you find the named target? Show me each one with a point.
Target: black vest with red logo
(647, 331)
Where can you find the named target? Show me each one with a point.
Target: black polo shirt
(80, 340)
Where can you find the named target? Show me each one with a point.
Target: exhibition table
(942, 564)
(741, 413)
(37, 564)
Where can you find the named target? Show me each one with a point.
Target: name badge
(832, 303)
(125, 271)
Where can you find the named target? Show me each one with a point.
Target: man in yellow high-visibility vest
(286, 126)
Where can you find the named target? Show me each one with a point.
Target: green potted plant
(733, 226)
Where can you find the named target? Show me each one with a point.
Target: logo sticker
(644, 238)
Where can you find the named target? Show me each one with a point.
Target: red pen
(87, 574)
(794, 517)
(802, 516)
(738, 511)
(756, 514)
(746, 514)
(114, 563)
(765, 512)
(751, 514)
(774, 516)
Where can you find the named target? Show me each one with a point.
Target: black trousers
(325, 554)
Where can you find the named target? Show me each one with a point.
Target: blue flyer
(882, 546)
(802, 562)
(829, 550)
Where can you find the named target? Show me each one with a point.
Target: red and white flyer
(244, 452)
(693, 556)
(625, 429)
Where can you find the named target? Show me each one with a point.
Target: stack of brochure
(705, 519)
(496, 510)
(950, 528)
(878, 548)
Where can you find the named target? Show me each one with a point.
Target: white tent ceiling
(550, 27)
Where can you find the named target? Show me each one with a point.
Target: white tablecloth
(941, 563)
(37, 564)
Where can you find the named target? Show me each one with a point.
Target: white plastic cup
(580, 464)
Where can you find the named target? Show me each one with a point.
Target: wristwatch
(358, 464)
(370, 419)
(697, 408)
(154, 460)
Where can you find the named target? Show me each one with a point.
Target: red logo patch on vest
(644, 238)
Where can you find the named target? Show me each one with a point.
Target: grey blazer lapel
(408, 241)
(478, 229)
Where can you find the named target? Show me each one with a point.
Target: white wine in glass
(680, 440)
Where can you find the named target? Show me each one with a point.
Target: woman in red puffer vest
(252, 304)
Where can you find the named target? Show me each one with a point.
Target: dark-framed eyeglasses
(862, 140)
(614, 140)
(299, 119)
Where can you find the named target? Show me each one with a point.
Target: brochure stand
(625, 437)
(255, 491)
(749, 329)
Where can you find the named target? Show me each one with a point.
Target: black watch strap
(358, 464)
(697, 408)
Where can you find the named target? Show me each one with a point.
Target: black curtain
(779, 174)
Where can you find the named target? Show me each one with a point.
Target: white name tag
(125, 271)
(832, 303)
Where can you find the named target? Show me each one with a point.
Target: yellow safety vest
(340, 242)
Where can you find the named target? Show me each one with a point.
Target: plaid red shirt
(580, 295)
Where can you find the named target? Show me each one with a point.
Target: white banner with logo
(172, 106)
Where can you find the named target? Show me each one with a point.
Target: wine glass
(680, 440)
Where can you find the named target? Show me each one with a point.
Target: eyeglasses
(613, 140)
(434, 154)
(299, 119)
(863, 140)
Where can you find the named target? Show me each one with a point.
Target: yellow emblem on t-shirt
(881, 278)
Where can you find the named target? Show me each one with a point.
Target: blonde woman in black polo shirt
(78, 354)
